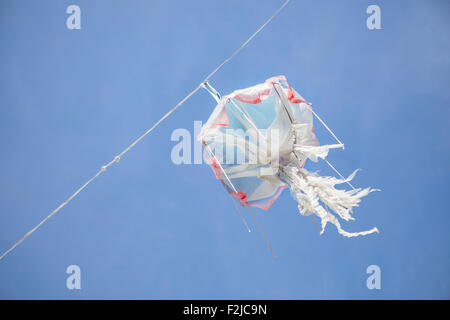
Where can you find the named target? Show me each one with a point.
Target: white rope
(117, 158)
(329, 130)
(340, 175)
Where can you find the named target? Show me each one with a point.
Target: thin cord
(335, 170)
(253, 217)
(232, 186)
(117, 158)
(50, 215)
(262, 232)
(329, 130)
(318, 228)
(240, 213)
(331, 166)
(248, 40)
(315, 114)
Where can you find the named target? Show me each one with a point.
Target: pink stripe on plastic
(270, 202)
(261, 95)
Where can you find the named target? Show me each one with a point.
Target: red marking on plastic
(241, 196)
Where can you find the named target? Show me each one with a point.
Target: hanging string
(118, 157)
(315, 222)
(216, 95)
(262, 232)
(230, 184)
(236, 205)
(253, 217)
(340, 175)
(324, 124)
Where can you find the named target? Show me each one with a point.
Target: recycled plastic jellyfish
(257, 141)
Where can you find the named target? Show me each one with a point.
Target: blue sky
(70, 100)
